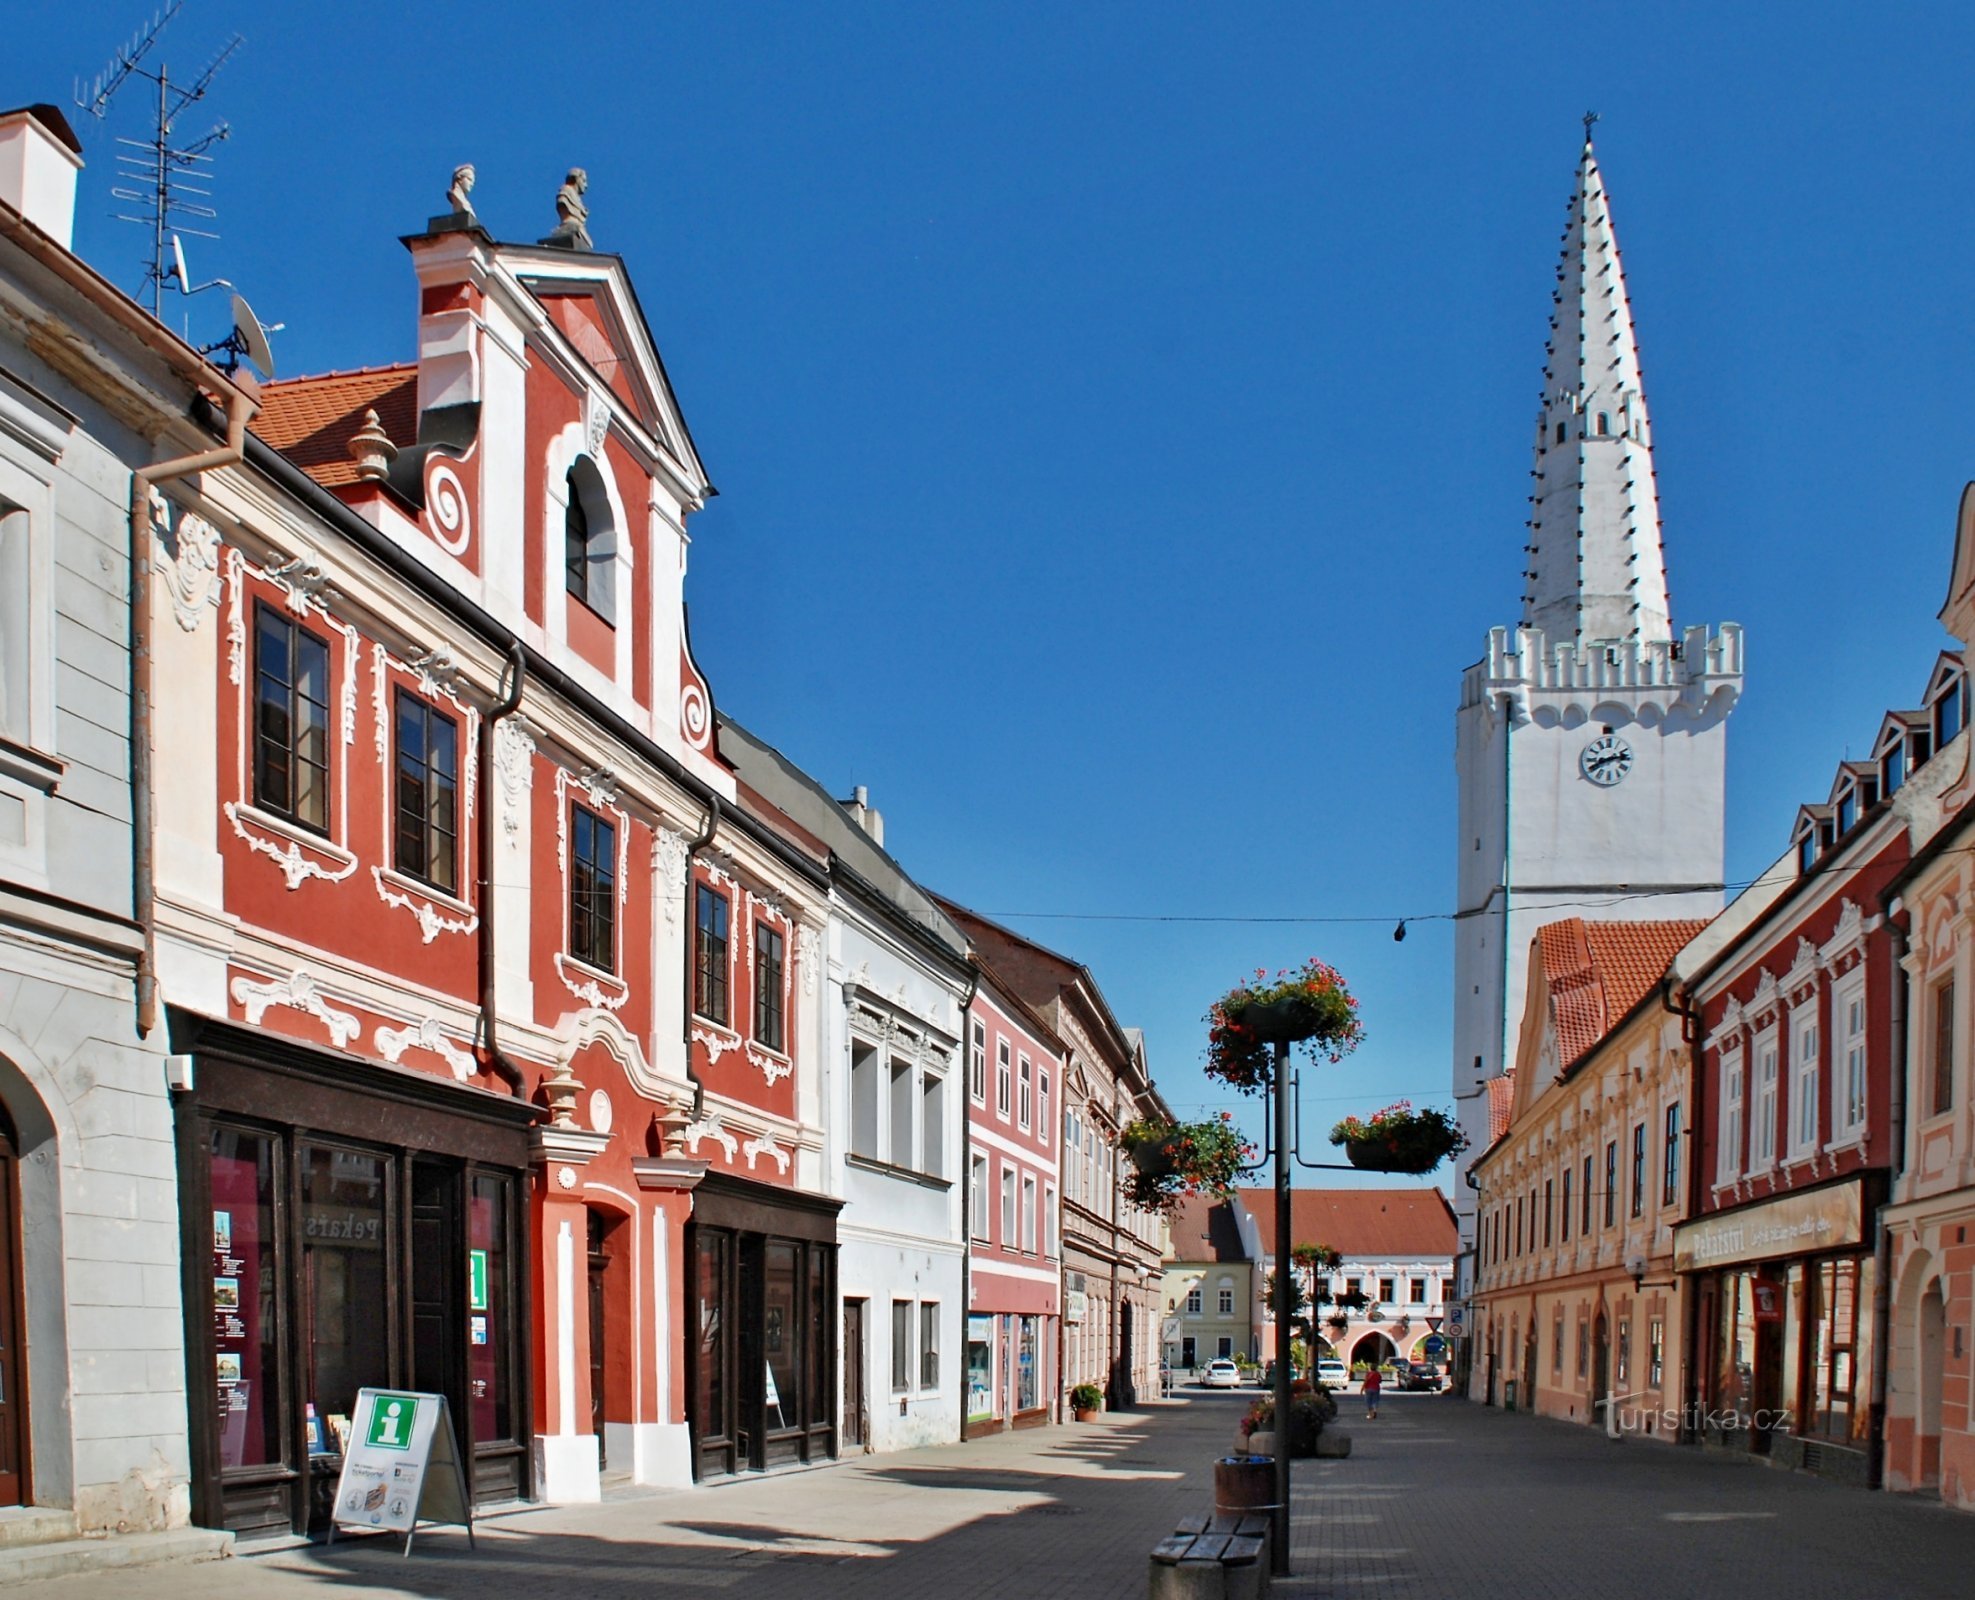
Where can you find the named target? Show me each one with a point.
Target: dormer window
(1847, 811)
(1951, 710)
(589, 542)
(1892, 768)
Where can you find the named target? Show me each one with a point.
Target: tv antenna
(166, 182)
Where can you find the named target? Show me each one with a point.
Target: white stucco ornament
(600, 1111)
(565, 1177)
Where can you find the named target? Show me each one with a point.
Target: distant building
(1210, 1286)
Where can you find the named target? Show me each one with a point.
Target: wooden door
(599, 1267)
(853, 1372)
(13, 1365)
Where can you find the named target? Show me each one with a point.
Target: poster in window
(226, 1294)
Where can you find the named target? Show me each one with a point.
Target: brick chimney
(39, 158)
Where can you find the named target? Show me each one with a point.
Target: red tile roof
(311, 420)
(1501, 1104)
(1379, 1224)
(1204, 1229)
(1598, 971)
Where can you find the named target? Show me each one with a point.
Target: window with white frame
(1762, 1116)
(864, 1100)
(1225, 1301)
(1193, 1301)
(1049, 1242)
(977, 1063)
(1008, 1223)
(1025, 1103)
(900, 1154)
(932, 1124)
(977, 1197)
(901, 1346)
(1728, 1157)
(1848, 1058)
(1029, 1214)
(929, 1344)
(1003, 1072)
(1042, 1104)
(1804, 1094)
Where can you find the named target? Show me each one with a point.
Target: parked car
(1220, 1373)
(1333, 1374)
(1420, 1375)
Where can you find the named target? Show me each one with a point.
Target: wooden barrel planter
(1244, 1483)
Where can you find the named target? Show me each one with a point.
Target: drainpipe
(966, 1179)
(1690, 1035)
(514, 679)
(242, 401)
(686, 1010)
(1882, 1239)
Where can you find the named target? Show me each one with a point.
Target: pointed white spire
(1596, 570)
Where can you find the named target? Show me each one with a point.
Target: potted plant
(1399, 1139)
(1317, 1257)
(1170, 1160)
(1308, 1005)
(1086, 1399)
(1305, 1423)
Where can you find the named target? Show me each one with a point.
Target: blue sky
(1123, 414)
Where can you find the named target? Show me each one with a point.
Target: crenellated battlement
(1524, 667)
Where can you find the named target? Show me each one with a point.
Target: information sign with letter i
(402, 1466)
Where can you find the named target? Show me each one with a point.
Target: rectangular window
(1025, 1104)
(1518, 1224)
(592, 890)
(1418, 1288)
(1728, 1163)
(977, 1064)
(1009, 1235)
(1585, 1201)
(1638, 1169)
(1762, 1120)
(1557, 1343)
(1848, 1078)
(1583, 1346)
(900, 1154)
(1805, 1098)
(291, 720)
(1226, 1302)
(1624, 1351)
(1549, 1206)
(1942, 1097)
(901, 1346)
(710, 955)
(1611, 1182)
(929, 1344)
(1029, 1214)
(427, 842)
(1193, 1301)
(1670, 1158)
(1564, 1211)
(1655, 1353)
(1049, 1244)
(1003, 1073)
(932, 1124)
(977, 1197)
(768, 1026)
(1042, 1105)
(864, 1101)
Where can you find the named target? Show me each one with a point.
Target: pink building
(1015, 1260)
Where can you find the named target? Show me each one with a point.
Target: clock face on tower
(1605, 760)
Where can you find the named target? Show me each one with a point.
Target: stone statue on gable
(572, 213)
(457, 195)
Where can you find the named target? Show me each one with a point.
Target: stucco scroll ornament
(708, 1127)
(587, 989)
(668, 865)
(773, 1068)
(808, 954)
(717, 1044)
(695, 715)
(189, 558)
(392, 1043)
(445, 504)
(600, 784)
(596, 422)
(514, 751)
(431, 920)
(287, 855)
(297, 992)
(302, 579)
(764, 1145)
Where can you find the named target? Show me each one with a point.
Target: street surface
(1440, 1498)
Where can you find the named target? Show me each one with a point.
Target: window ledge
(25, 764)
(909, 1174)
(444, 899)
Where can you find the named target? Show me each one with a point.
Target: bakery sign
(1791, 1225)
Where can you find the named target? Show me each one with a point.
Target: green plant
(1309, 1005)
(1306, 1421)
(1170, 1160)
(1400, 1139)
(1086, 1397)
(1317, 1257)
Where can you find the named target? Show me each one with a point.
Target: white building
(1590, 741)
(896, 986)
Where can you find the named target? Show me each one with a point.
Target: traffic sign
(1455, 1318)
(1434, 1344)
(1433, 1324)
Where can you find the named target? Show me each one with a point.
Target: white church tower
(1591, 740)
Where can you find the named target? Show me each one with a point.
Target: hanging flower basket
(1170, 1160)
(1399, 1139)
(1317, 1257)
(1308, 1006)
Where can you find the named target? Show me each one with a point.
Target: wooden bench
(1221, 1557)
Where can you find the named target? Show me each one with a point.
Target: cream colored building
(1209, 1289)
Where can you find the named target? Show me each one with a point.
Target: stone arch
(568, 451)
(42, 1133)
(1374, 1349)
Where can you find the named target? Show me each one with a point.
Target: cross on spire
(1589, 118)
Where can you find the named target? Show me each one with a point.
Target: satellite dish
(249, 339)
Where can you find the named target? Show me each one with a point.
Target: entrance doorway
(599, 1237)
(1928, 1406)
(1601, 1367)
(853, 1372)
(13, 1365)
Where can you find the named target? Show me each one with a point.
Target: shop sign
(1769, 1301)
(1074, 1303)
(352, 1225)
(401, 1466)
(1790, 1225)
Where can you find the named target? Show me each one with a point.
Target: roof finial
(1589, 118)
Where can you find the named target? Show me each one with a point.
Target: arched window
(1604, 423)
(589, 540)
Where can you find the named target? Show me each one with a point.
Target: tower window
(1604, 423)
(1560, 433)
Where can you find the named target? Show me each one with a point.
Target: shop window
(977, 1064)
(782, 1323)
(1003, 1074)
(1564, 1211)
(592, 889)
(932, 1124)
(1848, 1079)
(980, 1368)
(977, 1197)
(1941, 1097)
(1728, 1159)
(589, 543)
(901, 1346)
(929, 1344)
(490, 1303)
(291, 720)
(1024, 1105)
(1638, 1169)
(1805, 1098)
(1193, 1301)
(864, 1100)
(710, 955)
(1837, 1314)
(427, 834)
(348, 1232)
(822, 1319)
(247, 1273)
(1028, 1366)
(1670, 1157)
(768, 1021)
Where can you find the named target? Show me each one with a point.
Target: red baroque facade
(445, 855)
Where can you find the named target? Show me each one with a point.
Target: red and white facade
(436, 773)
(1015, 1254)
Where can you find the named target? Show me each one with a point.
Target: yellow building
(1208, 1297)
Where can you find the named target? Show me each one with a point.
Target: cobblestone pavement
(1439, 1498)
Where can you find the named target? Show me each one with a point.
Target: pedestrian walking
(1374, 1381)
